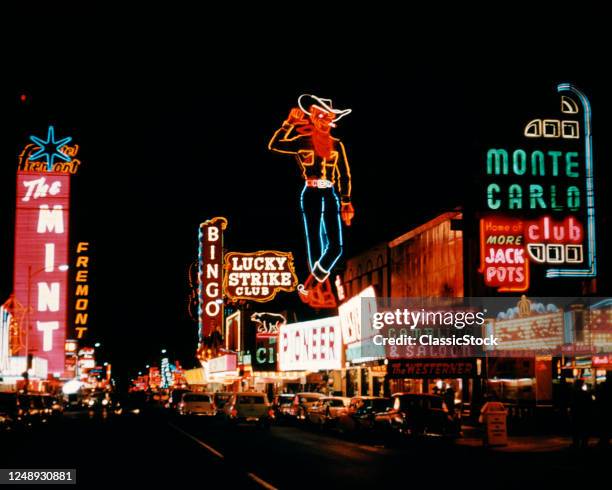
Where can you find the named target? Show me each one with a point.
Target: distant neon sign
(81, 293)
(41, 155)
(267, 324)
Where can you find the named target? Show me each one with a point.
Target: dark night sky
(173, 123)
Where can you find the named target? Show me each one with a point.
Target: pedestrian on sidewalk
(449, 399)
(581, 407)
(603, 402)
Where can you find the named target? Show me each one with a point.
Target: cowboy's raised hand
(295, 115)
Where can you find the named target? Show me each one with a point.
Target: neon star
(50, 148)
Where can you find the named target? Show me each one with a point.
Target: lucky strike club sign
(258, 276)
(41, 248)
(539, 200)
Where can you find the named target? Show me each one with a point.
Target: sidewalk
(473, 436)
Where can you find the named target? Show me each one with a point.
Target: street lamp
(163, 351)
(47, 268)
(97, 344)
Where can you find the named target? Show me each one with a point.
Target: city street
(157, 450)
(339, 259)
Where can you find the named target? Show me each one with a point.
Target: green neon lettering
(492, 201)
(555, 162)
(497, 162)
(536, 194)
(571, 166)
(515, 197)
(573, 198)
(519, 162)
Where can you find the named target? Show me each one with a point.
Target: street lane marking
(201, 443)
(262, 482)
(252, 476)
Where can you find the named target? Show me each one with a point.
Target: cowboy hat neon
(323, 104)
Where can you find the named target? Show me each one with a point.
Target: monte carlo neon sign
(539, 200)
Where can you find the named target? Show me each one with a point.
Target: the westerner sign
(258, 276)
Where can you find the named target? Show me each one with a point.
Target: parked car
(54, 405)
(175, 398)
(360, 414)
(131, 403)
(282, 406)
(248, 408)
(302, 403)
(39, 412)
(197, 404)
(21, 411)
(221, 398)
(417, 415)
(11, 411)
(327, 410)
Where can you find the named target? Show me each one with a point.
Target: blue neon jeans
(321, 212)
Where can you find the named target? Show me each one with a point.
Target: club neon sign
(540, 200)
(258, 276)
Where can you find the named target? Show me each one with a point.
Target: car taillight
(271, 413)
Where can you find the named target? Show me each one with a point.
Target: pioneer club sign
(258, 276)
(310, 346)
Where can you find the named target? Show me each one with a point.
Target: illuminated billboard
(267, 327)
(310, 346)
(81, 292)
(210, 277)
(258, 276)
(41, 262)
(325, 199)
(538, 205)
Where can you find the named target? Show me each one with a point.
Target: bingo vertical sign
(210, 277)
(539, 199)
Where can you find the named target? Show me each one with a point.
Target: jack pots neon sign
(539, 200)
